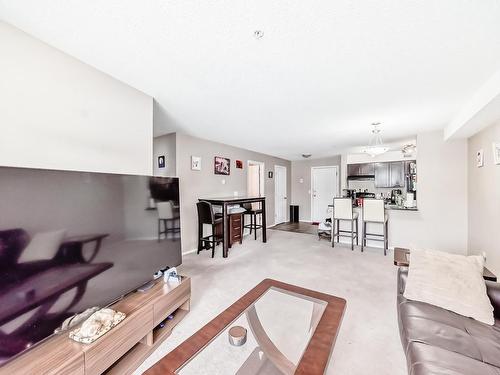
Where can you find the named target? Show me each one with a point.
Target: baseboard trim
(189, 252)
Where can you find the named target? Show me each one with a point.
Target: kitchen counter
(391, 207)
(399, 208)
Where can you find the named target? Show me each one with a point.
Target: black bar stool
(253, 218)
(206, 216)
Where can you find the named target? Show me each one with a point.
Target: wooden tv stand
(122, 349)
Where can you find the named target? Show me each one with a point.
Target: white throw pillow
(42, 246)
(453, 282)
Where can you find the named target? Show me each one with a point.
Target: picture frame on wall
(195, 163)
(222, 166)
(480, 158)
(239, 164)
(161, 161)
(496, 152)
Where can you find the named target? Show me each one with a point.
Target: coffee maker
(394, 194)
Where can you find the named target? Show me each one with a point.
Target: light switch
(223, 182)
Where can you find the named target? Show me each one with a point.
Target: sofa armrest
(402, 276)
(493, 290)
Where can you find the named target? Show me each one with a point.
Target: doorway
(324, 187)
(280, 196)
(255, 178)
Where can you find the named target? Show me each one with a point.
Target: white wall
(484, 198)
(57, 112)
(441, 222)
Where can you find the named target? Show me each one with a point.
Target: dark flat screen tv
(73, 240)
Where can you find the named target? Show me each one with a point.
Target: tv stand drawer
(109, 348)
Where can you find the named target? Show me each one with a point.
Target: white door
(324, 183)
(280, 198)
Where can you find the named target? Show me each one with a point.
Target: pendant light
(376, 146)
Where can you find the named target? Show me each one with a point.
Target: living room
(166, 170)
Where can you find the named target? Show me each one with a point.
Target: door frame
(336, 167)
(276, 167)
(262, 175)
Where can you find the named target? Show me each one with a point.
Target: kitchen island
(399, 222)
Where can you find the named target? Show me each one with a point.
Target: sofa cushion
(453, 282)
(424, 359)
(432, 325)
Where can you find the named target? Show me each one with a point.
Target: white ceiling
(323, 71)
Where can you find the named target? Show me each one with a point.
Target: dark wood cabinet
(361, 169)
(390, 175)
(381, 175)
(397, 174)
(235, 228)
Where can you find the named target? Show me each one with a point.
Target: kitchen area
(391, 177)
(393, 181)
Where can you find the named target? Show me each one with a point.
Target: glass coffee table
(289, 330)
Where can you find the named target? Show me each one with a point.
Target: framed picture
(480, 158)
(196, 163)
(239, 164)
(161, 161)
(222, 165)
(496, 152)
(270, 174)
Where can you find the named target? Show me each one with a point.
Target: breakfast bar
(224, 202)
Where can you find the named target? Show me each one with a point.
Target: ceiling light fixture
(376, 146)
(305, 156)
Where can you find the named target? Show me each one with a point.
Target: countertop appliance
(394, 194)
(90, 234)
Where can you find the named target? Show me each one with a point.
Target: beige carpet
(368, 342)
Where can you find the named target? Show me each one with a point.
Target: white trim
(336, 167)
(277, 166)
(190, 251)
(262, 175)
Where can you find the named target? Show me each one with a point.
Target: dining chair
(206, 216)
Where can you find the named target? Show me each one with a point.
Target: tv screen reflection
(74, 240)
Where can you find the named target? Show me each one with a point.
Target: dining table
(224, 202)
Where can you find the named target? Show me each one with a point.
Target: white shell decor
(96, 325)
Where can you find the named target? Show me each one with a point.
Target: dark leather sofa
(438, 341)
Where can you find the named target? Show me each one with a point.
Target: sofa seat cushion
(425, 359)
(431, 325)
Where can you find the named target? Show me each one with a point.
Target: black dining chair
(206, 216)
(253, 213)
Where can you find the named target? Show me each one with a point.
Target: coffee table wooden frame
(316, 355)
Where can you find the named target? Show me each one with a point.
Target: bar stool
(253, 218)
(342, 210)
(206, 216)
(374, 212)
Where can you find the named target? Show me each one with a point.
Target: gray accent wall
(165, 145)
(484, 198)
(301, 192)
(204, 183)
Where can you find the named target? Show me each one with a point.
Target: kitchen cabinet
(382, 175)
(397, 174)
(361, 169)
(390, 175)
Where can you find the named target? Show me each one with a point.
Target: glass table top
(279, 327)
